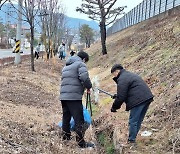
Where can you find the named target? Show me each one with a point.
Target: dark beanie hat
(116, 67)
(83, 55)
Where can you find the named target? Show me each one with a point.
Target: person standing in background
(62, 52)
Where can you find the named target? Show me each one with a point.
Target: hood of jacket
(73, 59)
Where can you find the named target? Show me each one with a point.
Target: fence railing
(145, 10)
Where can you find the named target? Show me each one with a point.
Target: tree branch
(91, 1)
(2, 3)
(112, 20)
(106, 2)
(110, 7)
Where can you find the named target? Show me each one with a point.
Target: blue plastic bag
(87, 120)
(64, 54)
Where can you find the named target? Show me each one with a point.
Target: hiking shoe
(131, 141)
(86, 145)
(66, 137)
(130, 144)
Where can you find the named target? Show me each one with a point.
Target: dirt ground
(30, 110)
(150, 49)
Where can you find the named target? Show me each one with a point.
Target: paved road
(4, 53)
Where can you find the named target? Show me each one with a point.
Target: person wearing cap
(75, 79)
(136, 94)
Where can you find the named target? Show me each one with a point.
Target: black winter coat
(132, 90)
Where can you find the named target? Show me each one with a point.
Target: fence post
(125, 21)
(149, 8)
(142, 11)
(118, 23)
(136, 13)
(174, 3)
(121, 23)
(131, 17)
(146, 10)
(154, 7)
(166, 5)
(128, 19)
(159, 6)
(139, 18)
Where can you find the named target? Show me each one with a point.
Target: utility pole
(18, 34)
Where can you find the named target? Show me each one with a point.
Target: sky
(71, 5)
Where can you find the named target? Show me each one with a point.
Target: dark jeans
(61, 56)
(73, 108)
(136, 117)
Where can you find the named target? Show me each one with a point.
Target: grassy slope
(152, 50)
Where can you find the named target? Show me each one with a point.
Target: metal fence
(145, 10)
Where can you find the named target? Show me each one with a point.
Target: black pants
(73, 108)
(36, 55)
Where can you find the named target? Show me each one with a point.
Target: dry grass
(150, 49)
(30, 109)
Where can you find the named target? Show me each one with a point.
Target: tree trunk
(89, 43)
(86, 42)
(1, 38)
(103, 36)
(32, 42)
(49, 50)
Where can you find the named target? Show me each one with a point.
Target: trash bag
(87, 120)
(64, 54)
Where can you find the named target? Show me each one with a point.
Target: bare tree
(52, 24)
(30, 10)
(103, 12)
(2, 2)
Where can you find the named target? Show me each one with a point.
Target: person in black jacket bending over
(132, 90)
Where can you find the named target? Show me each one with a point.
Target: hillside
(76, 22)
(150, 49)
(30, 109)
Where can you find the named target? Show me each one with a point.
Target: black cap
(83, 55)
(116, 67)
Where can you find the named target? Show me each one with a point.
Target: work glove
(115, 106)
(114, 96)
(113, 110)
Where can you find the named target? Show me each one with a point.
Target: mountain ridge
(71, 22)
